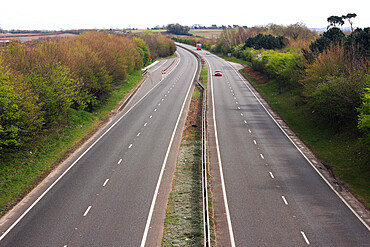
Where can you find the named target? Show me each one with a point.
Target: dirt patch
(261, 78)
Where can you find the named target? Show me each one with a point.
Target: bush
(333, 85)
(247, 54)
(86, 66)
(20, 114)
(143, 50)
(364, 110)
(51, 80)
(159, 46)
(281, 66)
(336, 100)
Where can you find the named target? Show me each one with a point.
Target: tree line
(40, 82)
(328, 72)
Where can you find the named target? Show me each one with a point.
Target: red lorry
(199, 46)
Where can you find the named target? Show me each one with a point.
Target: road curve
(271, 195)
(106, 195)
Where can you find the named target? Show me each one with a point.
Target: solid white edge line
(87, 211)
(73, 164)
(305, 238)
(146, 230)
(308, 160)
(231, 233)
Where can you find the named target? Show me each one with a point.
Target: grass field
(206, 33)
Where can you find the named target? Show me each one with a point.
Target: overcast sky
(76, 14)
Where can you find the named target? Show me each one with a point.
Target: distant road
(106, 198)
(272, 194)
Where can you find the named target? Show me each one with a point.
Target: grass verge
(24, 169)
(348, 157)
(203, 77)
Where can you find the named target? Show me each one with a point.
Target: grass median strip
(183, 224)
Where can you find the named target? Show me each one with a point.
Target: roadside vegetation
(183, 225)
(319, 84)
(54, 93)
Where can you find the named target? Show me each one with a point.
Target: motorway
(109, 194)
(265, 192)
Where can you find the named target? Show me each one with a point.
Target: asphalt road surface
(272, 195)
(107, 196)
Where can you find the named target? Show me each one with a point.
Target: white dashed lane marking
(87, 211)
(305, 237)
(285, 200)
(105, 183)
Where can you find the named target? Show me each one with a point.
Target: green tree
(333, 36)
(20, 113)
(143, 50)
(334, 21)
(267, 42)
(178, 29)
(336, 100)
(349, 17)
